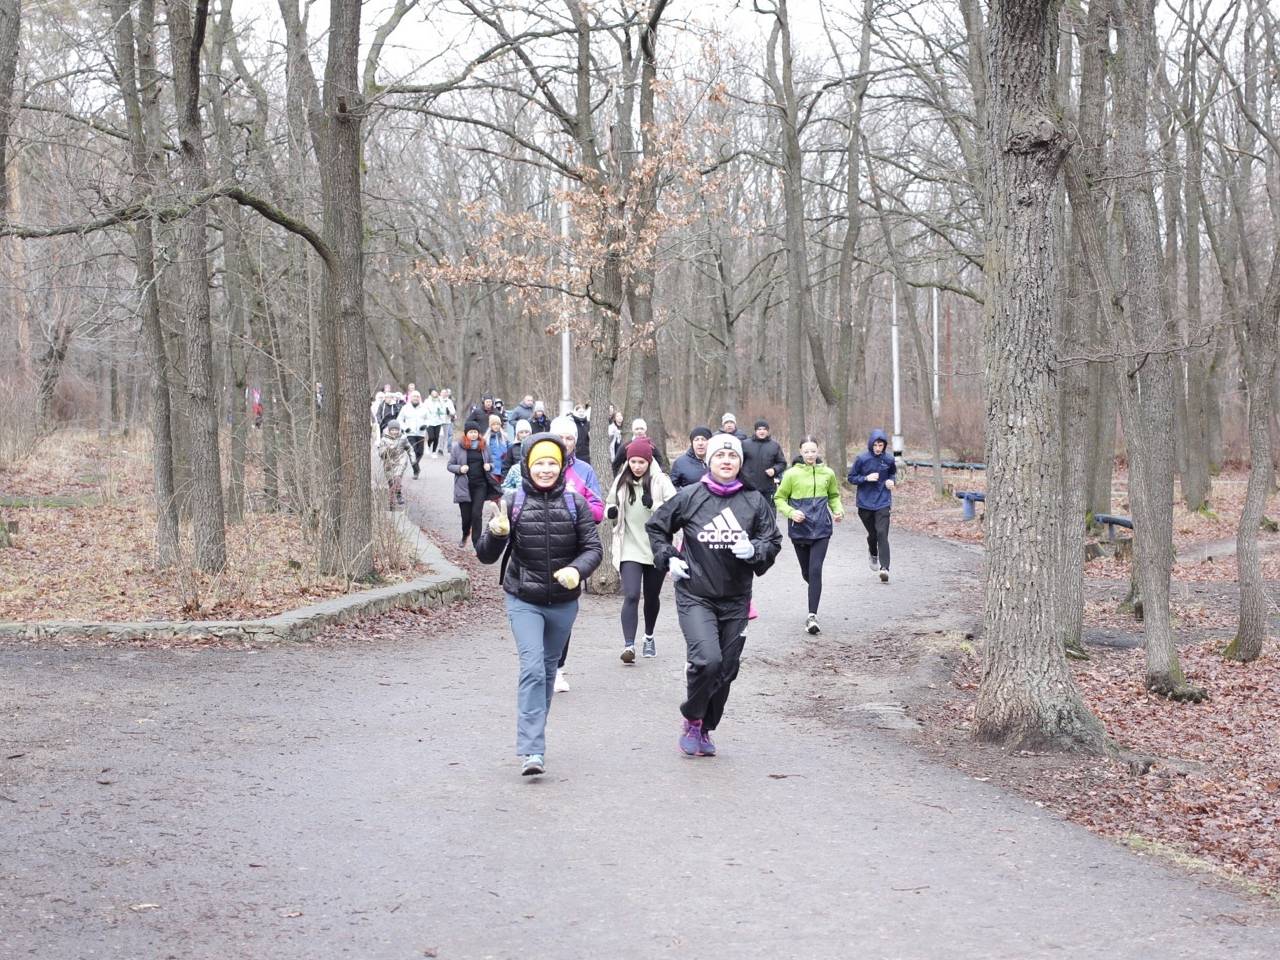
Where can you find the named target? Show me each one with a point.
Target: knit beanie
(564, 424)
(545, 447)
(640, 447)
(473, 423)
(523, 425)
(638, 424)
(728, 418)
(762, 422)
(704, 432)
(724, 441)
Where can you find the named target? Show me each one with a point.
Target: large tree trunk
(143, 162)
(10, 31)
(186, 35)
(1027, 697)
(1146, 376)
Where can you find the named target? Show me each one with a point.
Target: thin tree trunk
(186, 35)
(1026, 698)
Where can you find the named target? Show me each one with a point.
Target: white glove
(679, 568)
(500, 525)
(743, 549)
(889, 484)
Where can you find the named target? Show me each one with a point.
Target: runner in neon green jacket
(809, 497)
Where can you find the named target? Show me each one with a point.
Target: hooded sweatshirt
(713, 517)
(813, 490)
(873, 494)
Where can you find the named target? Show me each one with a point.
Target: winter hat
(638, 424)
(391, 425)
(564, 424)
(704, 432)
(524, 425)
(539, 407)
(728, 418)
(724, 441)
(640, 448)
(546, 447)
(762, 422)
(474, 423)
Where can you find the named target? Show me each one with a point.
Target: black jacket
(757, 457)
(687, 469)
(544, 538)
(711, 523)
(582, 450)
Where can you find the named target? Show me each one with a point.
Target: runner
(873, 472)
(437, 417)
(809, 497)
(496, 439)
(691, 465)
(731, 535)
(549, 543)
(580, 477)
(729, 425)
(640, 431)
(395, 455)
(413, 421)
(450, 414)
(636, 493)
(471, 462)
(762, 460)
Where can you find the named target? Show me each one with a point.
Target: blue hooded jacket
(873, 494)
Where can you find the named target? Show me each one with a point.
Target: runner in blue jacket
(874, 473)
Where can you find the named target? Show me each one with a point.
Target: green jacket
(815, 490)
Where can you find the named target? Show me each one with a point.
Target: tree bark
(186, 36)
(1027, 698)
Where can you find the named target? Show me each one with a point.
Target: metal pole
(566, 343)
(897, 381)
(937, 397)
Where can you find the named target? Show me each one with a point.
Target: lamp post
(897, 380)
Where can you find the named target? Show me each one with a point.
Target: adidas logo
(722, 530)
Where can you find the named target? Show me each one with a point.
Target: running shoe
(884, 576)
(811, 624)
(874, 563)
(650, 649)
(629, 653)
(533, 765)
(691, 737)
(705, 747)
(561, 684)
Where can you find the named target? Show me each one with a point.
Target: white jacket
(413, 420)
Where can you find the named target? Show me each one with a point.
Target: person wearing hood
(809, 497)
(637, 491)
(762, 460)
(548, 544)
(395, 455)
(539, 421)
(497, 441)
(580, 477)
(874, 472)
(514, 455)
(730, 537)
(729, 425)
(691, 465)
(472, 463)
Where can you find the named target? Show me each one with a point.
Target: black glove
(611, 513)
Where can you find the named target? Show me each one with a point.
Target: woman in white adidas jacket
(639, 489)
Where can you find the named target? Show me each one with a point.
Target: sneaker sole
(884, 576)
(649, 656)
(628, 655)
(812, 630)
(533, 772)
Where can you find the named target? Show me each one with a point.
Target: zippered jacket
(711, 524)
(873, 494)
(757, 457)
(813, 490)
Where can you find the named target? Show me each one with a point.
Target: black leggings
(433, 439)
(473, 512)
(638, 578)
(877, 524)
(811, 554)
(416, 442)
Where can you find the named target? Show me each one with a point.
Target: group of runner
(710, 521)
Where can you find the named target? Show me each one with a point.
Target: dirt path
(362, 801)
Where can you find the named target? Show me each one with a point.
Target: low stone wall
(445, 584)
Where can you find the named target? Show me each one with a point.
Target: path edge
(447, 584)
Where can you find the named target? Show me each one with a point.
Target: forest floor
(1212, 799)
(84, 548)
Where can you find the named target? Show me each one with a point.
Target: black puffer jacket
(545, 537)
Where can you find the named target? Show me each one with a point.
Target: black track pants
(714, 633)
(877, 524)
(638, 579)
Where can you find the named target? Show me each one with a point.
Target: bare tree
(1026, 697)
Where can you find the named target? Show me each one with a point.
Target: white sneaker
(811, 624)
(884, 576)
(561, 684)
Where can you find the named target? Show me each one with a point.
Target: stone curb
(447, 584)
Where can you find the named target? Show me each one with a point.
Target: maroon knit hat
(640, 447)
